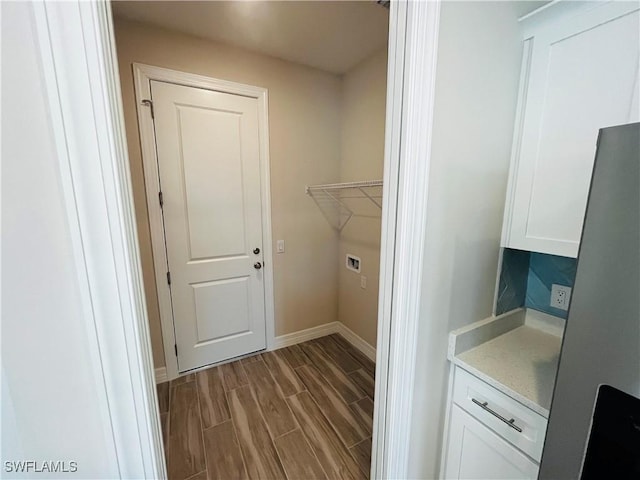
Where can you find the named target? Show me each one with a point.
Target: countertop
(515, 356)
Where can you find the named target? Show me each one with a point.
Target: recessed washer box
(353, 263)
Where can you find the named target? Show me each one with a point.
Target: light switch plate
(280, 246)
(560, 296)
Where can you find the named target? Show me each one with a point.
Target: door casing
(143, 74)
(80, 69)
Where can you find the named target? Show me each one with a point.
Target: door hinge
(149, 104)
(175, 347)
(161, 199)
(169, 278)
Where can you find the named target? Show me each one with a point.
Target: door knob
(257, 265)
(256, 250)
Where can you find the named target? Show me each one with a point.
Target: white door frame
(142, 75)
(80, 70)
(81, 73)
(411, 79)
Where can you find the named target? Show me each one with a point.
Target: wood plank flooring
(301, 412)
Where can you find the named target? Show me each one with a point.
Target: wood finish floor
(301, 412)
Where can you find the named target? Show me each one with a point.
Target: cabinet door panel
(476, 452)
(582, 76)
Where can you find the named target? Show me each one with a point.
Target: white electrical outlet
(560, 296)
(363, 282)
(280, 246)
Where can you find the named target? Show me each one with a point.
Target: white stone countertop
(521, 363)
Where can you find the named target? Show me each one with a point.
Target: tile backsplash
(526, 279)
(512, 291)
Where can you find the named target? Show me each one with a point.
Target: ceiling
(330, 35)
(522, 7)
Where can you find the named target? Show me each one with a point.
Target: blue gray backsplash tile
(545, 270)
(526, 279)
(512, 289)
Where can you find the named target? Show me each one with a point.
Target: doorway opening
(256, 142)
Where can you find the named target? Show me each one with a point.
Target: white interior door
(209, 167)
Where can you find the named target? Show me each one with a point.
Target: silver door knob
(257, 265)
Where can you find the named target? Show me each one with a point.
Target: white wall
(50, 389)
(478, 69)
(364, 93)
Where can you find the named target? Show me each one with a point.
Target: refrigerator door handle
(510, 422)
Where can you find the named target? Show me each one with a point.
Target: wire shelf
(339, 202)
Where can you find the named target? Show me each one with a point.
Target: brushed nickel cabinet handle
(510, 422)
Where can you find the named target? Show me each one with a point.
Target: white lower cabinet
(475, 452)
(489, 434)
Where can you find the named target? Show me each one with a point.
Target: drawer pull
(484, 406)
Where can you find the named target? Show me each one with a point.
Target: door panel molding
(143, 75)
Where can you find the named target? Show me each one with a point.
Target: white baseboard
(161, 375)
(322, 331)
(357, 341)
(305, 335)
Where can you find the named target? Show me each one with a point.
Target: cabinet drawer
(519, 425)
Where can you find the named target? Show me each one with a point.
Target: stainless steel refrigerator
(601, 344)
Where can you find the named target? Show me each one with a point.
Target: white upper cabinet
(580, 73)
